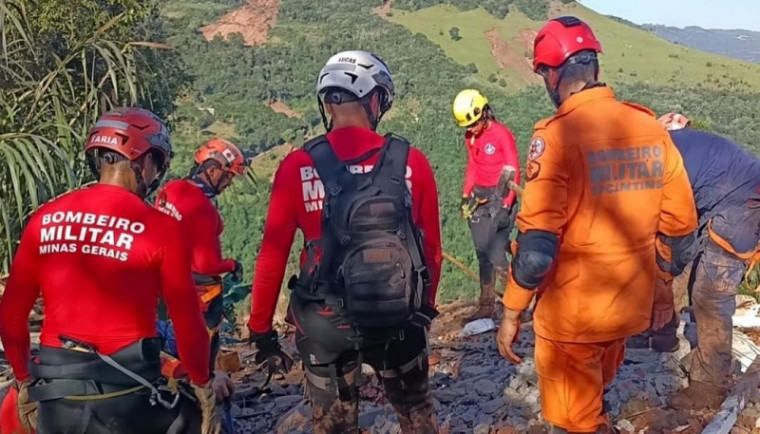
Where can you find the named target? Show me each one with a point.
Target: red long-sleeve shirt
(200, 224)
(296, 203)
(487, 154)
(101, 258)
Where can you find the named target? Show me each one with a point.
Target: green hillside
(630, 55)
(262, 96)
(429, 69)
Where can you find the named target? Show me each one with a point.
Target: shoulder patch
(640, 108)
(537, 147)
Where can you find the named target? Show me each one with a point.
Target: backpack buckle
(396, 180)
(335, 190)
(345, 239)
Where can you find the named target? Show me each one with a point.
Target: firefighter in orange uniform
(607, 220)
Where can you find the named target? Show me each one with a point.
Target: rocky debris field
(477, 391)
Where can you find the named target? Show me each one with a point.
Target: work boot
(665, 344)
(485, 304)
(638, 342)
(697, 396)
(665, 340)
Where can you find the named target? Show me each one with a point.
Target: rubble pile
(478, 391)
(475, 389)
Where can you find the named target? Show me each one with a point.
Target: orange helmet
(225, 153)
(674, 121)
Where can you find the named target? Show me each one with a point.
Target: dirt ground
(253, 21)
(512, 56)
(477, 391)
(278, 106)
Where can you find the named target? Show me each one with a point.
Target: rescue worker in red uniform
(357, 89)
(189, 201)
(101, 258)
(490, 213)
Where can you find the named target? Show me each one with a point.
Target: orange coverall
(605, 178)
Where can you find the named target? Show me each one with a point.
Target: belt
(77, 390)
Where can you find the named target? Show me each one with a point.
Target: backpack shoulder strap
(331, 170)
(390, 175)
(390, 171)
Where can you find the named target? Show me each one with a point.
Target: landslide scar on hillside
(506, 56)
(252, 20)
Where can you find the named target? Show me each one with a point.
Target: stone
(276, 389)
(468, 416)
(483, 419)
(527, 369)
(471, 398)
(367, 369)
(493, 405)
(228, 361)
(298, 419)
(481, 429)
(287, 402)
(517, 382)
(448, 395)
(368, 417)
(626, 426)
(485, 387)
(476, 370)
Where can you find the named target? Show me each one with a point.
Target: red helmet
(561, 38)
(225, 153)
(674, 121)
(130, 132)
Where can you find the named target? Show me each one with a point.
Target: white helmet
(357, 73)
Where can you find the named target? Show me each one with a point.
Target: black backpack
(371, 258)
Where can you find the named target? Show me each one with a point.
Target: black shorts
(324, 336)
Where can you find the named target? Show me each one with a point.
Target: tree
(454, 33)
(60, 69)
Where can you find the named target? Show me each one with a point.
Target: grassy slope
(641, 56)
(472, 26)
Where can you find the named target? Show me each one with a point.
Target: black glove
(424, 315)
(237, 273)
(269, 351)
(504, 217)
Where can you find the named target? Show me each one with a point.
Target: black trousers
(213, 317)
(332, 355)
(127, 414)
(490, 227)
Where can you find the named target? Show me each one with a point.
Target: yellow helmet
(468, 107)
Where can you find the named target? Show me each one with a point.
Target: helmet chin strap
(373, 119)
(209, 189)
(327, 123)
(583, 59)
(143, 189)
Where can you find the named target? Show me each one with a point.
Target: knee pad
(331, 381)
(535, 255)
(408, 384)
